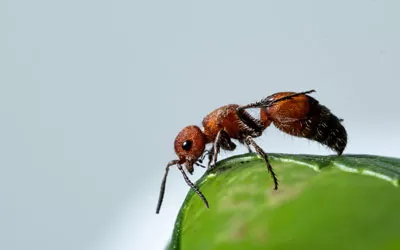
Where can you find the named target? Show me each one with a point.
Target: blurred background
(93, 93)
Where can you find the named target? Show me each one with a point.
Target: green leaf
(323, 202)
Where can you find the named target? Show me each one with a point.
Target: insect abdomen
(303, 116)
(327, 129)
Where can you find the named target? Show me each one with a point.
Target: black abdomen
(320, 125)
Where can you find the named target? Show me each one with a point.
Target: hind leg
(250, 141)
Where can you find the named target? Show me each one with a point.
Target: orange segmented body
(303, 116)
(223, 118)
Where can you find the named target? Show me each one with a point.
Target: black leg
(206, 152)
(200, 165)
(163, 182)
(255, 124)
(216, 146)
(191, 185)
(210, 157)
(221, 141)
(249, 149)
(249, 141)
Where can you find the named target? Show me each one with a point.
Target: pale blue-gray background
(92, 94)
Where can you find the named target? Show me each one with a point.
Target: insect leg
(249, 141)
(210, 157)
(215, 149)
(199, 164)
(191, 185)
(248, 120)
(206, 152)
(249, 149)
(222, 140)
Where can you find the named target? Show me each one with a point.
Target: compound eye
(187, 145)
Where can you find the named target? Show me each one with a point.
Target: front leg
(249, 149)
(215, 150)
(210, 157)
(221, 140)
